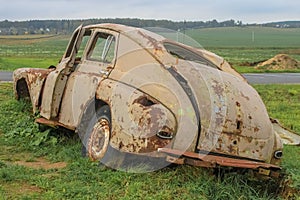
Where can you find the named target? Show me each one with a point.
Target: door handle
(103, 72)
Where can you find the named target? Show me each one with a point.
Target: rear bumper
(213, 161)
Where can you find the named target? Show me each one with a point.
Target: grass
(12, 63)
(81, 179)
(283, 102)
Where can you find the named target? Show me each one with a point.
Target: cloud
(247, 11)
(258, 10)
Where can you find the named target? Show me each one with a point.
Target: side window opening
(103, 48)
(83, 44)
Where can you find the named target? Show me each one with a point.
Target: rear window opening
(186, 54)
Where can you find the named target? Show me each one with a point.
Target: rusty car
(137, 92)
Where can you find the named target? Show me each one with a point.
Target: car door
(96, 64)
(57, 79)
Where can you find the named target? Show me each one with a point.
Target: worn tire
(95, 131)
(98, 140)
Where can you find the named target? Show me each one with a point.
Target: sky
(254, 11)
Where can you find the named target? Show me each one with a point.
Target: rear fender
(34, 79)
(140, 123)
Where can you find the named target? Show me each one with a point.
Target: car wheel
(98, 139)
(94, 131)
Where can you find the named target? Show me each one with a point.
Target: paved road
(5, 76)
(268, 78)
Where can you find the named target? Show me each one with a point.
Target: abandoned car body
(155, 97)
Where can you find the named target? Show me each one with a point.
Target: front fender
(34, 79)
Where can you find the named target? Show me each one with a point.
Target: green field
(31, 51)
(48, 164)
(238, 45)
(249, 37)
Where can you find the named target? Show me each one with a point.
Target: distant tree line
(68, 26)
(284, 24)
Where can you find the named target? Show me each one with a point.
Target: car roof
(144, 37)
(115, 27)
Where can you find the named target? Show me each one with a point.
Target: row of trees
(67, 26)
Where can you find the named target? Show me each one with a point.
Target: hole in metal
(145, 101)
(278, 154)
(165, 135)
(239, 125)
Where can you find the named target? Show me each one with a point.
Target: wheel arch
(91, 108)
(29, 83)
(22, 92)
(21, 89)
(89, 114)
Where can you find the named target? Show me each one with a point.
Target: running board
(51, 123)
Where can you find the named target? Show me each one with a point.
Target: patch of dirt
(14, 190)
(251, 64)
(279, 62)
(288, 192)
(26, 188)
(41, 163)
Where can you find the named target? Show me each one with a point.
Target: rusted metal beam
(214, 161)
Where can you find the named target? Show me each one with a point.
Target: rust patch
(219, 121)
(219, 90)
(36, 74)
(121, 145)
(233, 149)
(244, 96)
(153, 143)
(256, 129)
(153, 42)
(113, 133)
(52, 123)
(222, 160)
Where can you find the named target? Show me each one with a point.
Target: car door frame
(84, 81)
(56, 80)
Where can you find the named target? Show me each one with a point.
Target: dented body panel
(34, 80)
(161, 95)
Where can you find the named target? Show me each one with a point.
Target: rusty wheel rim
(98, 140)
